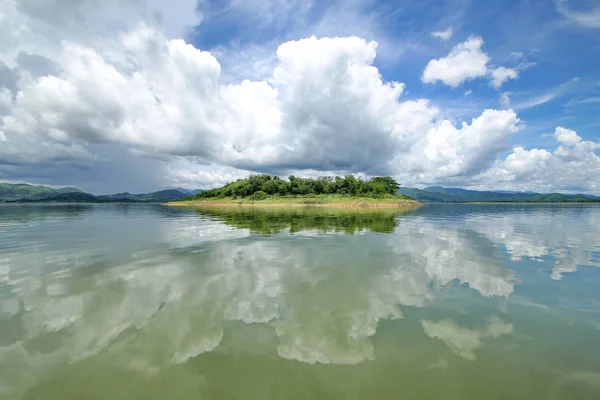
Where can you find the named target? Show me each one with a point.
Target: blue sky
(514, 32)
(138, 95)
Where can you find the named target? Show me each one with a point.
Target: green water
(446, 302)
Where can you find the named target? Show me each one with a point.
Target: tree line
(262, 186)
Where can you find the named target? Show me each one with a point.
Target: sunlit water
(446, 302)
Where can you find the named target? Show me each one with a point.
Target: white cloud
(501, 74)
(573, 165)
(522, 66)
(466, 61)
(468, 92)
(315, 106)
(524, 63)
(505, 99)
(325, 107)
(447, 151)
(550, 94)
(587, 18)
(444, 35)
(183, 172)
(582, 101)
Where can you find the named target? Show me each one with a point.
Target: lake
(445, 302)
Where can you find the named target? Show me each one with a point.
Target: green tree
(272, 185)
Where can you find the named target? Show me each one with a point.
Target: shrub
(260, 195)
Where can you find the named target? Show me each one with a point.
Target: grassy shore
(303, 201)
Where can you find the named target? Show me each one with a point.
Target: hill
(43, 194)
(154, 197)
(438, 194)
(22, 191)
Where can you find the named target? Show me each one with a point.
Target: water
(446, 302)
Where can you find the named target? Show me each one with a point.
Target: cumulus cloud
(572, 165)
(325, 107)
(501, 74)
(466, 61)
(444, 35)
(320, 106)
(185, 173)
(447, 151)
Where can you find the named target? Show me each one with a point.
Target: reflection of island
(272, 221)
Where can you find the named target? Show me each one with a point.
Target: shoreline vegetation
(289, 201)
(272, 191)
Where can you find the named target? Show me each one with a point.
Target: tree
(384, 185)
(379, 186)
(294, 185)
(271, 186)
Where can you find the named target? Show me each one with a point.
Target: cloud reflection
(323, 297)
(464, 341)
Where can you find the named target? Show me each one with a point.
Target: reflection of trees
(271, 221)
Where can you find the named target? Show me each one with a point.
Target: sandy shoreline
(358, 204)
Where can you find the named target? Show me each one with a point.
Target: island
(272, 191)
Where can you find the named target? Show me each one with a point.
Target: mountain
(190, 192)
(73, 197)
(22, 191)
(438, 194)
(154, 197)
(29, 193)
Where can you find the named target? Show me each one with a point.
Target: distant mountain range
(43, 194)
(438, 194)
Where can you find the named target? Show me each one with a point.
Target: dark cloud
(9, 77)
(37, 65)
(116, 170)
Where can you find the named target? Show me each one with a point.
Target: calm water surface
(447, 302)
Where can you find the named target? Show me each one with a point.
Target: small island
(270, 191)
